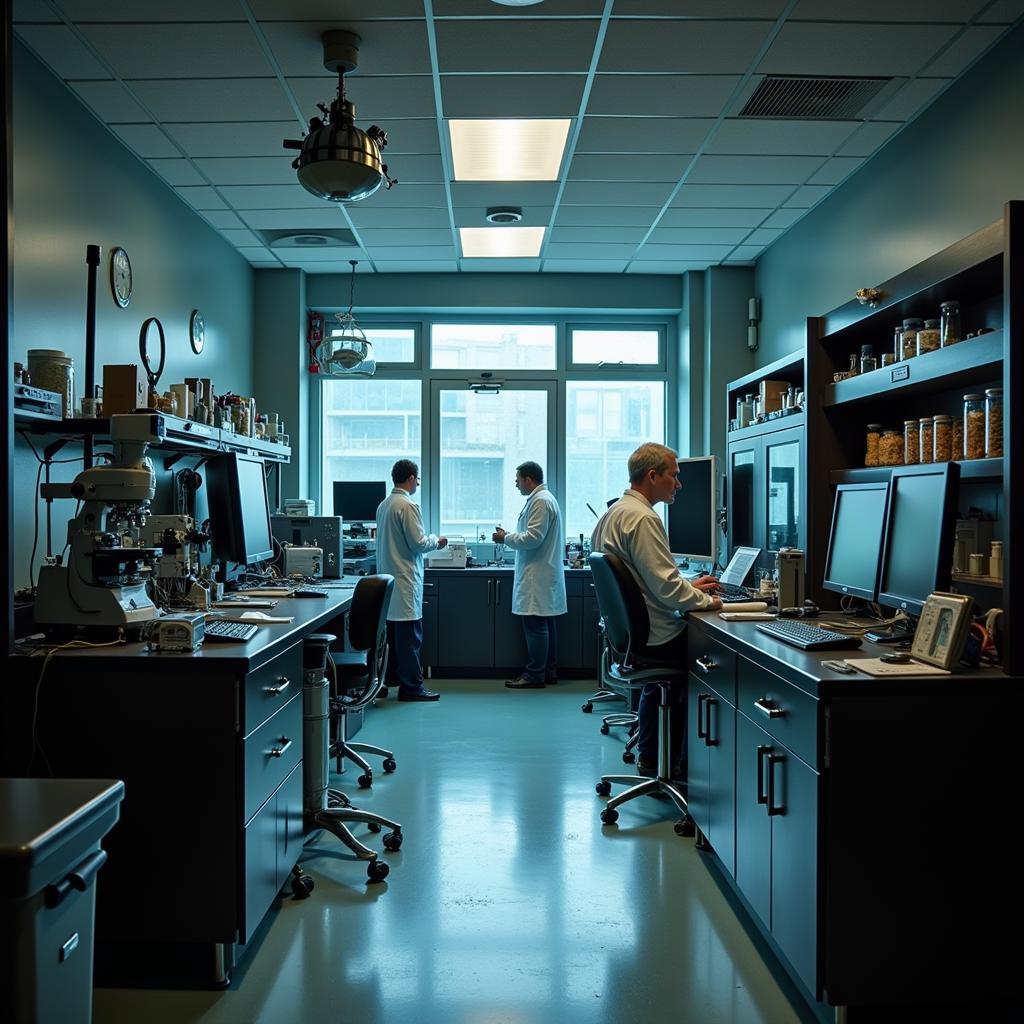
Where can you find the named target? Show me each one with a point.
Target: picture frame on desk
(942, 631)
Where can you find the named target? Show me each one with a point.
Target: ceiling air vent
(318, 238)
(819, 99)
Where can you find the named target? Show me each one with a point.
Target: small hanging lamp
(346, 349)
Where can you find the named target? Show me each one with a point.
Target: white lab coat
(632, 530)
(401, 542)
(539, 544)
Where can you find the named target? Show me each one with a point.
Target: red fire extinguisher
(314, 335)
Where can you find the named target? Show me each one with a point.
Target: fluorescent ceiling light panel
(505, 242)
(508, 150)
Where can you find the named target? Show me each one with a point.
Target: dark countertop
(496, 570)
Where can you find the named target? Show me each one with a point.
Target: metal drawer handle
(701, 732)
(283, 683)
(706, 664)
(766, 707)
(490, 585)
(280, 751)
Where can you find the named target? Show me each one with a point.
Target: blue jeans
(541, 648)
(405, 640)
(647, 727)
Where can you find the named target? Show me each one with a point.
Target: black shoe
(418, 695)
(519, 683)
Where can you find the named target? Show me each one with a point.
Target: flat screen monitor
(239, 509)
(356, 501)
(855, 541)
(693, 516)
(917, 556)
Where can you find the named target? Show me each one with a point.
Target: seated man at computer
(633, 530)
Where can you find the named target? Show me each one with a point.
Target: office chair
(628, 719)
(628, 627)
(359, 674)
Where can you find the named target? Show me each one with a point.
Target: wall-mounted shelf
(796, 419)
(974, 469)
(963, 580)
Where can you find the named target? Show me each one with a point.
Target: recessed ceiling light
(517, 3)
(508, 150)
(504, 215)
(506, 242)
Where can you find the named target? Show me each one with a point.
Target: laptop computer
(733, 575)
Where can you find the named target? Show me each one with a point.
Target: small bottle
(911, 442)
(942, 438)
(949, 330)
(974, 427)
(897, 348)
(993, 423)
(910, 329)
(890, 448)
(868, 362)
(924, 427)
(874, 435)
(995, 560)
(928, 337)
(854, 364)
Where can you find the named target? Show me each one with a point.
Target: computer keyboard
(733, 594)
(807, 637)
(236, 632)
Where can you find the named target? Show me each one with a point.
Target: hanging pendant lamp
(347, 350)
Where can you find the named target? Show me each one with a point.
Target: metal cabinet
(570, 626)
(465, 620)
(429, 650)
(509, 640)
(591, 635)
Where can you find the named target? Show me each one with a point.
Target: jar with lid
(745, 411)
(958, 438)
(54, 370)
(890, 448)
(950, 331)
(995, 560)
(868, 362)
(928, 337)
(993, 422)
(897, 347)
(909, 336)
(974, 427)
(924, 429)
(942, 438)
(873, 437)
(911, 442)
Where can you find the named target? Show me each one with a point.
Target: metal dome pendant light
(346, 350)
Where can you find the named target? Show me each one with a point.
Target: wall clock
(120, 276)
(197, 331)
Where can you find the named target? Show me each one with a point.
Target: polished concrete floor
(508, 903)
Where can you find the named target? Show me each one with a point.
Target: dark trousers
(404, 642)
(541, 648)
(647, 732)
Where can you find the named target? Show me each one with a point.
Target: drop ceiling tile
(524, 44)
(327, 215)
(745, 253)
(803, 48)
(763, 236)
(887, 10)
(753, 170)
(237, 139)
(835, 170)
(323, 10)
(599, 193)
(412, 135)
(698, 8)
(218, 50)
(965, 50)
(806, 197)
(57, 47)
(212, 99)
(737, 196)
(661, 95)
(374, 237)
(416, 266)
(223, 219)
(695, 47)
(376, 99)
(584, 266)
(578, 251)
(492, 265)
(111, 102)
(474, 216)
(615, 167)
(626, 216)
(387, 48)
(270, 197)
(202, 197)
(695, 253)
(909, 101)
(782, 138)
(382, 217)
(553, 8)
(259, 253)
(86, 11)
(783, 219)
(258, 264)
(320, 254)
(511, 95)
(502, 193)
(1003, 12)
(177, 172)
(712, 217)
(404, 196)
(32, 10)
(869, 137)
(673, 267)
(412, 169)
(642, 135)
(317, 266)
(146, 139)
(412, 252)
(261, 170)
(698, 236)
(240, 236)
(599, 235)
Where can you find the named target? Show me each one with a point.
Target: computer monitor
(855, 541)
(917, 556)
(239, 509)
(693, 516)
(356, 501)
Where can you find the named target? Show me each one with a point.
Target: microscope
(104, 582)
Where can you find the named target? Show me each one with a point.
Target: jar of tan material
(993, 423)
(925, 430)
(974, 427)
(958, 438)
(942, 438)
(949, 329)
(873, 437)
(890, 448)
(910, 329)
(911, 442)
(53, 370)
(928, 337)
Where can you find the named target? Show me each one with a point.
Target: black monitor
(855, 541)
(917, 557)
(239, 509)
(693, 516)
(356, 501)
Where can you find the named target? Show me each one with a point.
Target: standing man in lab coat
(401, 543)
(538, 594)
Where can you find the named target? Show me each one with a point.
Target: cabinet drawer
(269, 688)
(786, 713)
(712, 663)
(270, 753)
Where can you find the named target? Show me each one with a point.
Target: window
(493, 346)
(392, 344)
(605, 422)
(606, 346)
(368, 425)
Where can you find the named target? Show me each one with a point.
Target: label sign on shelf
(901, 373)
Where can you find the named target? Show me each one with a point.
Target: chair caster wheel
(604, 729)
(393, 841)
(302, 884)
(365, 781)
(390, 764)
(609, 815)
(587, 708)
(377, 871)
(628, 756)
(373, 826)
(685, 827)
(603, 788)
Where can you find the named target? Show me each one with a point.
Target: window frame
(661, 366)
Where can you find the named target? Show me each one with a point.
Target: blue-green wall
(942, 178)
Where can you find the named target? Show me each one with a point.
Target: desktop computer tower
(313, 531)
